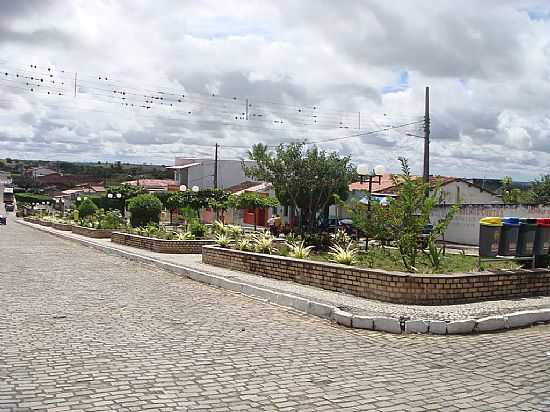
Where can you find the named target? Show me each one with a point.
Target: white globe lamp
(363, 169)
(195, 188)
(379, 170)
(183, 188)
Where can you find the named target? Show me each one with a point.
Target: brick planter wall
(45, 223)
(62, 226)
(395, 287)
(94, 233)
(160, 245)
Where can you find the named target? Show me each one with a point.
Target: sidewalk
(346, 306)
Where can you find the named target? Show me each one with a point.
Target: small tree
(87, 208)
(540, 190)
(145, 209)
(405, 217)
(252, 200)
(511, 194)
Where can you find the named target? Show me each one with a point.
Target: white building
(200, 172)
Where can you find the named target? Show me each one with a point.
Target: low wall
(160, 245)
(62, 226)
(45, 223)
(395, 287)
(464, 228)
(93, 233)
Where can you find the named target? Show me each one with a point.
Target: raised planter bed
(93, 233)
(395, 287)
(160, 245)
(45, 223)
(62, 226)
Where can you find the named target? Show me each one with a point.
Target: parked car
(3, 220)
(10, 207)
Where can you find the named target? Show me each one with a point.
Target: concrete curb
(322, 310)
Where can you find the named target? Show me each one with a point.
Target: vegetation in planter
(263, 242)
(87, 208)
(299, 250)
(245, 243)
(197, 229)
(223, 240)
(345, 255)
(145, 209)
(160, 232)
(232, 231)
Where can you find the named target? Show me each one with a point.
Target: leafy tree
(87, 208)
(145, 209)
(252, 200)
(306, 179)
(540, 190)
(511, 194)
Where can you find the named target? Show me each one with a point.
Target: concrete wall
(465, 226)
(467, 193)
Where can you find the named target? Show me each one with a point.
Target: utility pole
(426, 170)
(246, 110)
(216, 167)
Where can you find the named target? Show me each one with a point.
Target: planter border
(91, 232)
(383, 285)
(160, 245)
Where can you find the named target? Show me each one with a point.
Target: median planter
(67, 227)
(160, 245)
(90, 232)
(395, 287)
(45, 223)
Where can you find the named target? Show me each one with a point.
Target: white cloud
(489, 75)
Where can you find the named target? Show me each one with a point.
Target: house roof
(248, 186)
(387, 184)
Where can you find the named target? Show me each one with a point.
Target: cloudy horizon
(173, 78)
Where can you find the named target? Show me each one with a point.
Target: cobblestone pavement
(351, 303)
(81, 330)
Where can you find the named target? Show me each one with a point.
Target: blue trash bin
(508, 244)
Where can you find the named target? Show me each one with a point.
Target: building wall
(468, 194)
(230, 172)
(464, 228)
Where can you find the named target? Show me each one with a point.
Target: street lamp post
(369, 175)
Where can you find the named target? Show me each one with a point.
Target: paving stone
(438, 327)
(342, 317)
(416, 326)
(461, 326)
(387, 324)
(363, 322)
(491, 323)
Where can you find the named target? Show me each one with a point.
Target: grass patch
(389, 259)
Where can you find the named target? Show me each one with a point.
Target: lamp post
(369, 175)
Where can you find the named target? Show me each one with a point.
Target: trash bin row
(512, 236)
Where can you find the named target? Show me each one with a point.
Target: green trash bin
(489, 236)
(526, 237)
(508, 244)
(542, 237)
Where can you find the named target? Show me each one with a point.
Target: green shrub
(145, 210)
(87, 208)
(197, 229)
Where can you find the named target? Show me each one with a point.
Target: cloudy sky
(165, 78)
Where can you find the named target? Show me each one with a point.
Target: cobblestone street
(81, 330)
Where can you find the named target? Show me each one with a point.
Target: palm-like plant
(344, 255)
(245, 244)
(223, 240)
(299, 250)
(263, 243)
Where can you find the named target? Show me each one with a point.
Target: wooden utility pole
(216, 167)
(426, 169)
